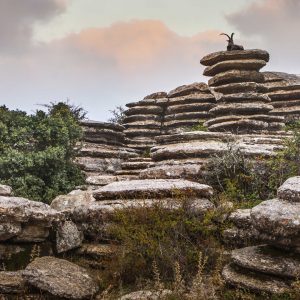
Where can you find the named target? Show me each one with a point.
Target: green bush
(37, 151)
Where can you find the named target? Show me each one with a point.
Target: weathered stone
(244, 64)
(147, 295)
(9, 230)
(68, 237)
(289, 103)
(97, 251)
(290, 190)
(182, 123)
(281, 218)
(67, 203)
(8, 250)
(240, 237)
(144, 110)
(97, 124)
(192, 99)
(132, 132)
(152, 188)
(94, 179)
(60, 278)
(174, 109)
(284, 111)
(241, 108)
(217, 57)
(187, 116)
(241, 87)
(140, 117)
(5, 190)
(157, 95)
(235, 76)
(23, 210)
(189, 89)
(241, 218)
(244, 97)
(11, 282)
(143, 124)
(285, 95)
(246, 279)
(137, 165)
(267, 260)
(32, 233)
(99, 165)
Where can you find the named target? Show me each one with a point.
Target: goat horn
(225, 34)
(232, 36)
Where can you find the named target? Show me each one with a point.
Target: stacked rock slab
(93, 218)
(188, 106)
(186, 154)
(103, 152)
(284, 91)
(143, 121)
(134, 166)
(273, 266)
(242, 106)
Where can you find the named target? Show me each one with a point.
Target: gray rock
(189, 89)
(241, 108)
(104, 125)
(174, 109)
(152, 188)
(290, 190)
(67, 203)
(241, 87)
(23, 210)
(11, 283)
(192, 99)
(68, 237)
(144, 110)
(245, 279)
(147, 295)
(97, 251)
(268, 260)
(280, 218)
(99, 165)
(9, 230)
(285, 95)
(187, 116)
(157, 95)
(5, 190)
(244, 64)
(241, 218)
(244, 97)
(217, 57)
(60, 278)
(94, 179)
(32, 233)
(235, 76)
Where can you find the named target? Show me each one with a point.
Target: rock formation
(103, 152)
(284, 92)
(242, 106)
(273, 266)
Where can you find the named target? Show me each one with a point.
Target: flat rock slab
(152, 188)
(245, 279)
(11, 282)
(157, 95)
(104, 125)
(285, 95)
(217, 57)
(290, 190)
(23, 210)
(60, 278)
(241, 218)
(243, 64)
(189, 89)
(278, 218)
(268, 260)
(241, 87)
(244, 97)
(9, 230)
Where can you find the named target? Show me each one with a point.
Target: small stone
(5, 190)
(11, 282)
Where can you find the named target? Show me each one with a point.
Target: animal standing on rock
(231, 45)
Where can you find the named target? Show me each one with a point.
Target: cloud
(275, 24)
(104, 67)
(17, 20)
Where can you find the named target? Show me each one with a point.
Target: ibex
(231, 45)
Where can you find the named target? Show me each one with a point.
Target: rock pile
(188, 106)
(284, 91)
(143, 121)
(103, 152)
(185, 155)
(242, 106)
(273, 266)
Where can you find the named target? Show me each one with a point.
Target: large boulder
(290, 190)
(60, 278)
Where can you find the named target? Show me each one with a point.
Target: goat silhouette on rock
(231, 45)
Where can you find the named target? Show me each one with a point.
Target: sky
(100, 54)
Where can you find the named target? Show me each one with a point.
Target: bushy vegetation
(118, 115)
(37, 151)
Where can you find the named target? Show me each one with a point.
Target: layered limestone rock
(143, 120)
(103, 152)
(94, 218)
(238, 86)
(185, 155)
(134, 166)
(284, 92)
(273, 266)
(188, 106)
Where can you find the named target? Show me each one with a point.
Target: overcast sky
(104, 53)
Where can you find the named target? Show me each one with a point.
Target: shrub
(118, 115)
(37, 151)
